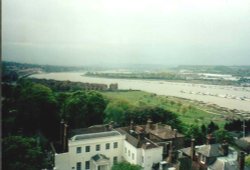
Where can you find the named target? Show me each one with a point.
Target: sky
(103, 32)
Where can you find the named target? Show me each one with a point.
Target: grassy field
(189, 111)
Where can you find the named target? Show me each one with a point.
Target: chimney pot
(65, 137)
(175, 133)
(148, 125)
(131, 125)
(224, 148)
(192, 149)
(210, 139)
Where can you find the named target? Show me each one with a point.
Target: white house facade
(99, 147)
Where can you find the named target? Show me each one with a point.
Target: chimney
(241, 160)
(157, 128)
(165, 150)
(224, 148)
(210, 139)
(65, 137)
(148, 125)
(61, 132)
(140, 136)
(131, 125)
(175, 133)
(170, 153)
(192, 149)
(110, 127)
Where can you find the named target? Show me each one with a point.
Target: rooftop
(95, 135)
(213, 150)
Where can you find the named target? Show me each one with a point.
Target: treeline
(142, 75)
(237, 125)
(241, 71)
(66, 86)
(170, 76)
(122, 112)
(45, 68)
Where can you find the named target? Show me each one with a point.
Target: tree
(22, 153)
(247, 161)
(117, 110)
(37, 109)
(194, 131)
(83, 109)
(204, 129)
(157, 114)
(236, 125)
(221, 135)
(212, 127)
(126, 166)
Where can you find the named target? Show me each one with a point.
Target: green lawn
(188, 111)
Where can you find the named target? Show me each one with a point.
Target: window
(115, 144)
(97, 147)
(87, 149)
(79, 150)
(133, 156)
(142, 159)
(128, 152)
(107, 145)
(87, 165)
(115, 159)
(125, 150)
(78, 166)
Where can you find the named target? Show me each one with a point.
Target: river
(224, 96)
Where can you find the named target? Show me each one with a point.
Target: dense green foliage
(22, 153)
(122, 113)
(68, 86)
(199, 133)
(83, 109)
(188, 112)
(223, 135)
(247, 161)
(236, 125)
(37, 109)
(34, 110)
(126, 166)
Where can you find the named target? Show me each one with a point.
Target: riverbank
(166, 88)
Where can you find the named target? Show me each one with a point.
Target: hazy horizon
(116, 32)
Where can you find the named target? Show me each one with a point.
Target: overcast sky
(168, 32)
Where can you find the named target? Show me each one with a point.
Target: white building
(91, 151)
(98, 148)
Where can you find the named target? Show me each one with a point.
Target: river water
(224, 96)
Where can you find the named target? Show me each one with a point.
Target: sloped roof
(212, 150)
(165, 132)
(142, 143)
(92, 129)
(224, 165)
